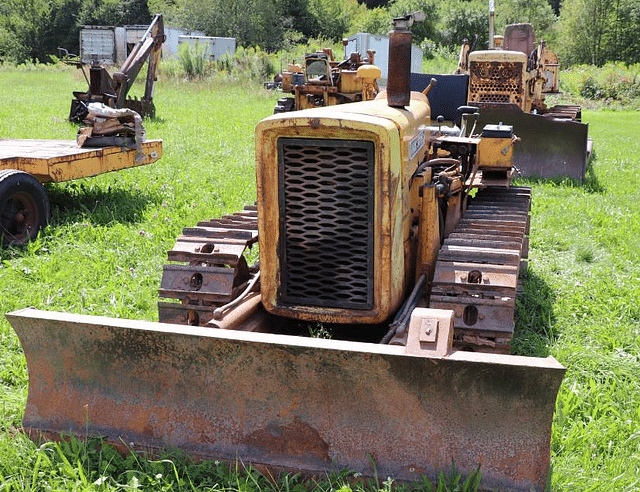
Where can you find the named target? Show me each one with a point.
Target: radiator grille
(326, 222)
(495, 82)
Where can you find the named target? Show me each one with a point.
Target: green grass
(104, 249)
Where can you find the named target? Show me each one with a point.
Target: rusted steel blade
(548, 147)
(311, 405)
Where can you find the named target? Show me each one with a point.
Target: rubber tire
(24, 207)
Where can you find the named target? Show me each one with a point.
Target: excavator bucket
(290, 403)
(548, 147)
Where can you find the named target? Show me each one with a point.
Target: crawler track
(476, 272)
(477, 269)
(210, 270)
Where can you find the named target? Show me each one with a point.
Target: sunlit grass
(104, 249)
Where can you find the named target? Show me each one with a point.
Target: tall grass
(104, 249)
(193, 58)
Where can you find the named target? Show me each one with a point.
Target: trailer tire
(24, 207)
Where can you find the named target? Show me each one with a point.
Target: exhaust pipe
(399, 67)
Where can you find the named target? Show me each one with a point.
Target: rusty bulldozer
(509, 82)
(404, 243)
(323, 81)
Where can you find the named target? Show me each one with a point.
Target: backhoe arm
(148, 47)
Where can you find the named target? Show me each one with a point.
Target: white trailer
(216, 47)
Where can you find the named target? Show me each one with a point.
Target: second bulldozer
(322, 81)
(509, 83)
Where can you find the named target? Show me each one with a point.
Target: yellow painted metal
(63, 160)
(399, 144)
(349, 81)
(498, 77)
(429, 242)
(495, 153)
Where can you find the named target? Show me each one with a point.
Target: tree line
(580, 31)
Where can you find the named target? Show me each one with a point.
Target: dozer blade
(548, 147)
(292, 403)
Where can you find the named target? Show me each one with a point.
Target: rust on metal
(550, 146)
(399, 82)
(309, 405)
(212, 269)
(477, 269)
(63, 160)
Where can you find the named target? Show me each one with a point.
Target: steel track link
(478, 265)
(210, 268)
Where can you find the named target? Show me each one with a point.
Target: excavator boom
(113, 91)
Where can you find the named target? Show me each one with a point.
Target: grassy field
(104, 249)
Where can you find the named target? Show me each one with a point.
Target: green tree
(583, 27)
(421, 31)
(23, 28)
(32, 30)
(114, 12)
(64, 29)
(374, 21)
(330, 19)
(464, 20)
(252, 22)
(538, 13)
(623, 40)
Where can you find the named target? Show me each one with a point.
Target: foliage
(33, 30)
(612, 82)
(587, 31)
(591, 32)
(193, 58)
(538, 13)
(251, 22)
(94, 466)
(614, 86)
(247, 64)
(465, 20)
(373, 21)
(113, 12)
(420, 30)
(330, 19)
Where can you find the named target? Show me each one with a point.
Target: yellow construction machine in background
(509, 83)
(322, 81)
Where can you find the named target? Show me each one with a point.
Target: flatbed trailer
(26, 164)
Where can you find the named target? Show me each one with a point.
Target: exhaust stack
(399, 81)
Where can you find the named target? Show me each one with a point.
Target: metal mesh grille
(499, 82)
(326, 222)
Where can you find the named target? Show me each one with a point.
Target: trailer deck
(63, 160)
(26, 164)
